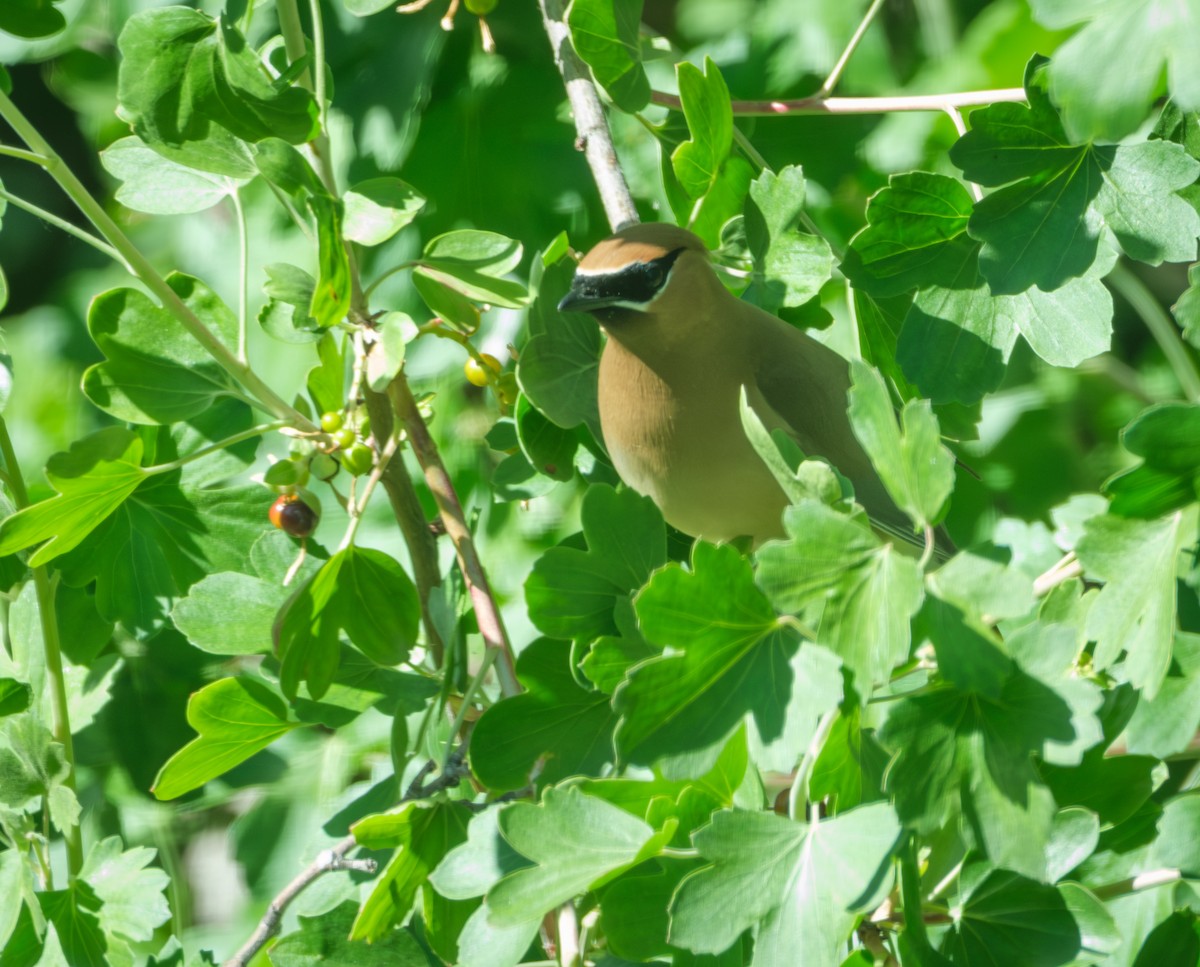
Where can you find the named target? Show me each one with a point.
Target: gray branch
(594, 140)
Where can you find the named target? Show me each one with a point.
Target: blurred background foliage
(488, 139)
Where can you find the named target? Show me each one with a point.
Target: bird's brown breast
(674, 433)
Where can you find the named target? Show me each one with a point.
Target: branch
(487, 612)
(334, 858)
(594, 139)
(1067, 568)
(859, 105)
(406, 508)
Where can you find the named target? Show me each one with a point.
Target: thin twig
(326, 861)
(960, 126)
(859, 105)
(836, 73)
(594, 139)
(1067, 568)
(487, 612)
(63, 225)
(334, 858)
(1143, 881)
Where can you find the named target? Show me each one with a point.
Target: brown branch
(422, 545)
(858, 105)
(487, 612)
(594, 140)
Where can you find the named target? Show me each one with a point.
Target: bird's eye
(655, 274)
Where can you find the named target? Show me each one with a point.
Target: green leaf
(132, 895)
(360, 592)
(633, 911)
(915, 236)
(325, 939)
(15, 879)
(558, 366)
(287, 169)
(326, 382)
(164, 91)
(1135, 610)
(1114, 788)
(1007, 919)
(1164, 436)
(857, 592)
(706, 106)
(15, 696)
(983, 586)
(1166, 726)
(575, 841)
(968, 750)
(849, 771)
(571, 593)
(93, 479)
(1178, 842)
(605, 35)
(229, 613)
(553, 720)
(1187, 309)
(1145, 37)
(729, 657)
(958, 335)
(154, 371)
(73, 913)
(393, 332)
(548, 447)
(716, 181)
(449, 305)
(285, 316)
(236, 717)
(422, 833)
(377, 209)
(239, 95)
(802, 885)
(1065, 207)
(1174, 941)
(175, 528)
(475, 866)
(916, 469)
(32, 764)
(332, 289)
(32, 18)
(158, 186)
(790, 266)
(473, 264)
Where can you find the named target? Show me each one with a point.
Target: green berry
(358, 459)
(344, 438)
(331, 422)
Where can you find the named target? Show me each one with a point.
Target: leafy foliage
(551, 725)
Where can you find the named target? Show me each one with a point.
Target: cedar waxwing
(680, 348)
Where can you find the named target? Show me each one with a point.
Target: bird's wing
(801, 385)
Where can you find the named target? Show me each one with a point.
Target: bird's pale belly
(704, 488)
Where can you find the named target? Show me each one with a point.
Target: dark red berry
(293, 516)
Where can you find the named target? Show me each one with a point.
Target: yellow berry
(475, 372)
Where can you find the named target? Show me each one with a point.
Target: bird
(680, 351)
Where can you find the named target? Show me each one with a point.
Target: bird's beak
(583, 298)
